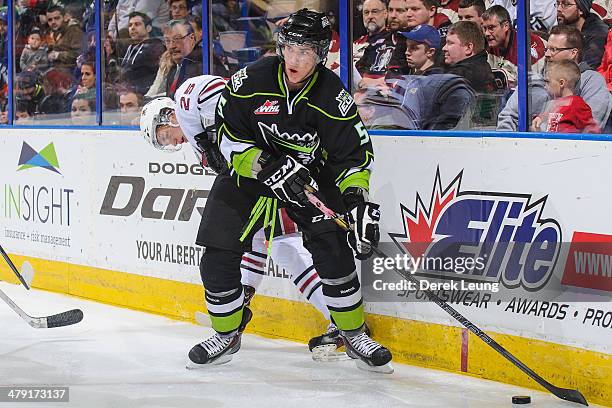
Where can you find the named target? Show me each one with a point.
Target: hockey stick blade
(68, 318)
(562, 393)
(61, 319)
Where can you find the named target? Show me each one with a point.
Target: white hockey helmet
(154, 114)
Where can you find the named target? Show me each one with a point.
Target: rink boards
(101, 215)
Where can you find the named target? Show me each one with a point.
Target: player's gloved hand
(211, 155)
(286, 177)
(364, 217)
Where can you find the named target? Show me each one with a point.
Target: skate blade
(383, 369)
(221, 360)
(328, 353)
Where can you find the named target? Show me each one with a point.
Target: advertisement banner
(514, 233)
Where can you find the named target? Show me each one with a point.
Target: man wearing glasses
(374, 14)
(577, 13)
(502, 40)
(565, 43)
(180, 41)
(386, 50)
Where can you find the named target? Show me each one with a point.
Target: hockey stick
(46, 322)
(563, 393)
(12, 266)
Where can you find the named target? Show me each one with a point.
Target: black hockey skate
(325, 347)
(219, 348)
(370, 355)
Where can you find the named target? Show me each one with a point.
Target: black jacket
(433, 101)
(595, 35)
(477, 71)
(140, 63)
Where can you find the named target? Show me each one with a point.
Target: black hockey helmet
(306, 27)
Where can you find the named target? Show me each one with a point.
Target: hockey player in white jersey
(190, 118)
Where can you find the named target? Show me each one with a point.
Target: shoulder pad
(331, 97)
(257, 76)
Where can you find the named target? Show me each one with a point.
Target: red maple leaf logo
(419, 224)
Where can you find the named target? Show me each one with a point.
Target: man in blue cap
(422, 44)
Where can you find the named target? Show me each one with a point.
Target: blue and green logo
(46, 158)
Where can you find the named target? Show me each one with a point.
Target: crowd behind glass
(417, 64)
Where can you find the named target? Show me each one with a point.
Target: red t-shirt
(571, 114)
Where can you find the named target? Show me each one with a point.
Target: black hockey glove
(286, 177)
(364, 217)
(211, 155)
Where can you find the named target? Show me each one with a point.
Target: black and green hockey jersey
(319, 125)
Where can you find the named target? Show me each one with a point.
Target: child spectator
(422, 43)
(34, 55)
(566, 112)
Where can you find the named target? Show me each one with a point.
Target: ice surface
(123, 358)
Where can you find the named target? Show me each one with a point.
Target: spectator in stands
(577, 13)
(110, 60)
(157, 10)
(605, 68)
(542, 13)
(88, 79)
(471, 10)
(3, 36)
(29, 91)
(130, 103)
(180, 41)
(420, 12)
(465, 55)
(178, 9)
(422, 44)
(503, 45)
(22, 116)
(386, 53)
(34, 55)
(58, 89)
(83, 110)
(566, 112)
(67, 40)
(374, 14)
(565, 43)
(141, 60)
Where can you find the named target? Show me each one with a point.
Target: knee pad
(331, 255)
(220, 269)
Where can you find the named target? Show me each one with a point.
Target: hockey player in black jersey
(284, 122)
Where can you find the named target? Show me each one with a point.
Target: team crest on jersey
(304, 146)
(238, 79)
(345, 101)
(268, 108)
